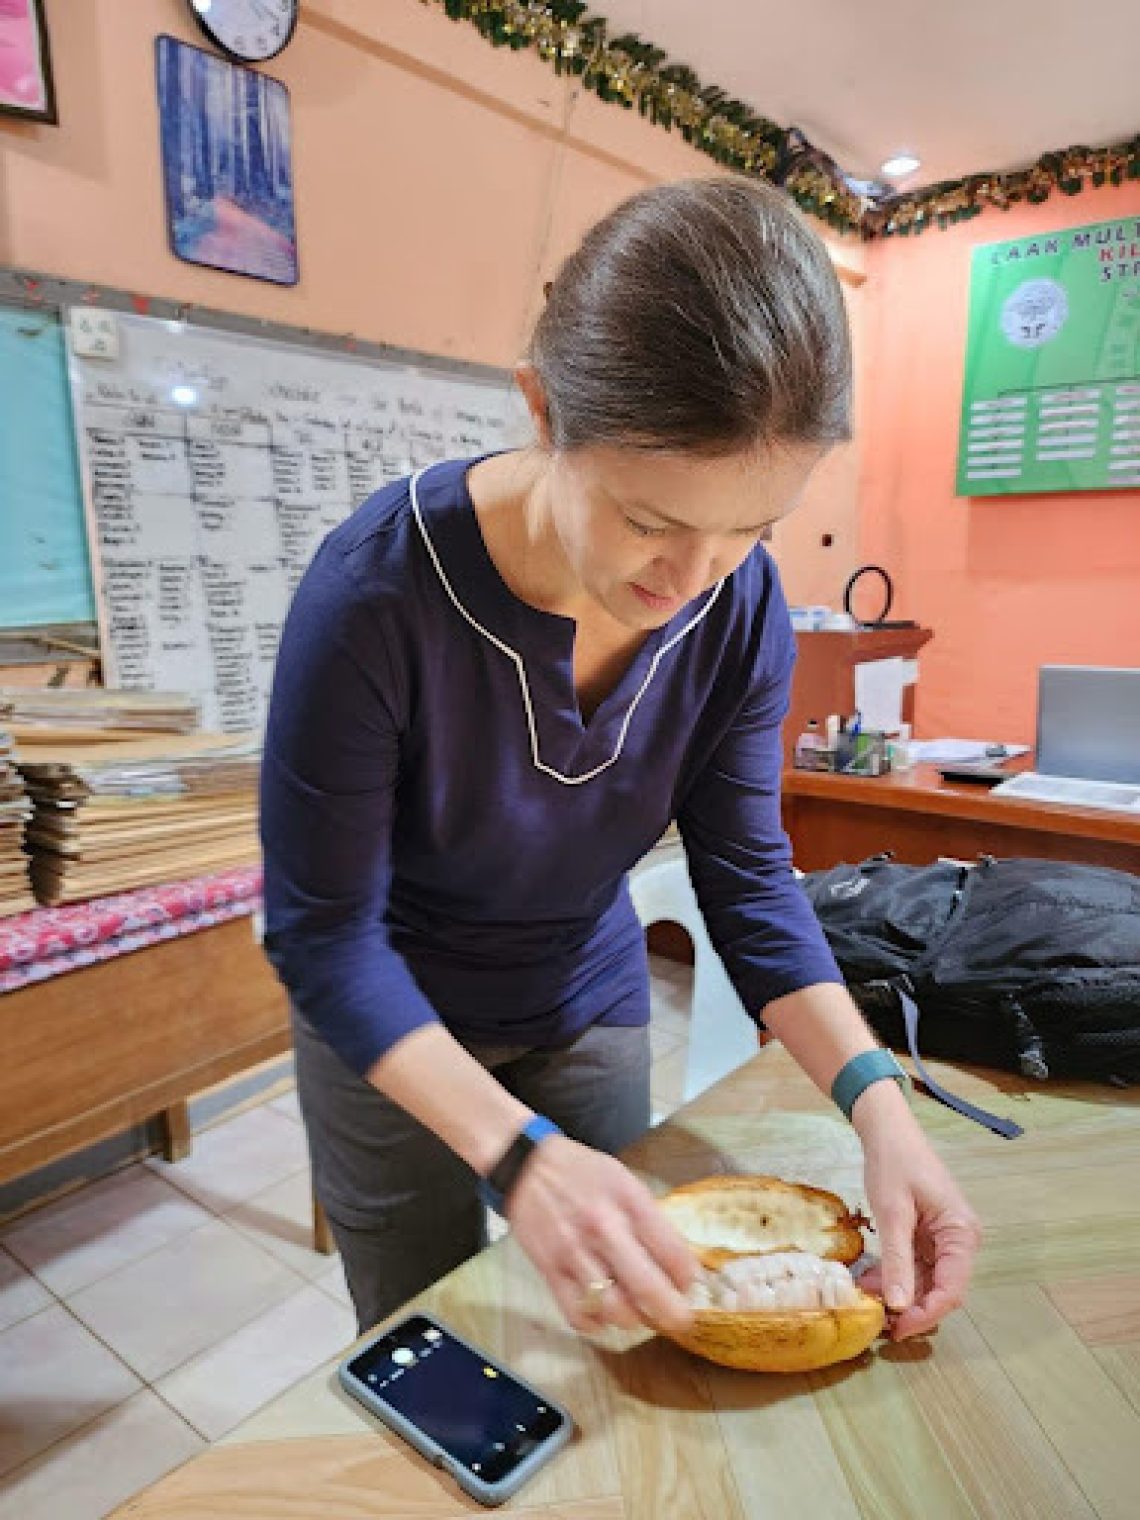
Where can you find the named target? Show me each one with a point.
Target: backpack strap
(999, 1126)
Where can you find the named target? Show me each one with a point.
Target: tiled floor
(151, 1311)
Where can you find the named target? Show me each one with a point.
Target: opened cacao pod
(775, 1293)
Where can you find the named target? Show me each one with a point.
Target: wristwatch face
(250, 30)
(503, 1174)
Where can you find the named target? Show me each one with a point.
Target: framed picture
(26, 87)
(227, 161)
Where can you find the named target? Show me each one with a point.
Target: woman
(499, 682)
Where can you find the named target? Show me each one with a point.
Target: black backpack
(1032, 965)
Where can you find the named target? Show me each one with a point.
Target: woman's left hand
(928, 1234)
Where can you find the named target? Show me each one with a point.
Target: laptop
(1088, 739)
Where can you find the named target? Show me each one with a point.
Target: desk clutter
(41, 714)
(116, 815)
(15, 810)
(846, 747)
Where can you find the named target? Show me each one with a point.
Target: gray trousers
(404, 1209)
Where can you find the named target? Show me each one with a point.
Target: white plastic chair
(721, 1035)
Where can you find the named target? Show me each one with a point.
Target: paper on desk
(879, 692)
(963, 751)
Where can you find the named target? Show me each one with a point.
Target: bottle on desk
(808, 746)
(900, 750)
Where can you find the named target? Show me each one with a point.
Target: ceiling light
(900, 165)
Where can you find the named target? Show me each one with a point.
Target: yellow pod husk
(728, 1217)
(723, 1217)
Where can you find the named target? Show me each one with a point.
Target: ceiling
(966, 85)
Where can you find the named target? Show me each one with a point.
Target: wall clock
(250, 31)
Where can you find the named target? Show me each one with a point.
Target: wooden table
(832, 818)
(1026, 1404)
(93, 1051)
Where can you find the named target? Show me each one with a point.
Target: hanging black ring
(888, 590)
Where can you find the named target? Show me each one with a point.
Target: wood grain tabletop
(1026, 1403)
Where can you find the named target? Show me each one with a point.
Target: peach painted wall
(1007, 584)
(817, 546)
(439, 183)
(437, 178)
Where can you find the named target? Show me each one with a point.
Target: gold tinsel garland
(634, 74)
(1070, 172)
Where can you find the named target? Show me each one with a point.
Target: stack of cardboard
(112, 816)
(15, 810)
(65, 714)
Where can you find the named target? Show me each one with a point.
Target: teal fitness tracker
(860, 1072)
(497, 1184)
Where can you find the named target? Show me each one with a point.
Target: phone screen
(474, 1410)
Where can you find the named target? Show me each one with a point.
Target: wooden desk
(914, 813)
(1027, 1404)
(89, 1053)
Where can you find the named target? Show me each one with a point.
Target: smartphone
(457, 1406)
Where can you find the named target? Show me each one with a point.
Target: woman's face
(645, 532)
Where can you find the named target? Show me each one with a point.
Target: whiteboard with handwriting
(214, 463)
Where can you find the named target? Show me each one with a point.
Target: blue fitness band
(497, 1184)
(860, 1072)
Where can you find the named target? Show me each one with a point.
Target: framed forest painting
(228, 164)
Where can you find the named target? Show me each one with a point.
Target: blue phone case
(486, 1493)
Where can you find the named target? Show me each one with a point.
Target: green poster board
(1051, 398)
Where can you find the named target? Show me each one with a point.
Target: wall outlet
(94, 333)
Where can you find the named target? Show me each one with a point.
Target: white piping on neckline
(520, 668)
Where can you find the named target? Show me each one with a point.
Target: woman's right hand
(579, 1215)
(582, 1217)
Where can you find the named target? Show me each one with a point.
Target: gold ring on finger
(595, 1291)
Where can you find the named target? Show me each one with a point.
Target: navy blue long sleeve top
(445, 838)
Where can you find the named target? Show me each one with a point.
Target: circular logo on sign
(1035, 312)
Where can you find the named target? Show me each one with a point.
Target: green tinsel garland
(632, 73)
